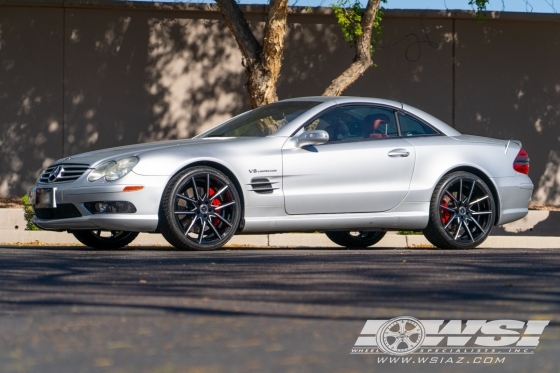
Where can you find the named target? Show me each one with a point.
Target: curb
(279, 241)
(538, 230)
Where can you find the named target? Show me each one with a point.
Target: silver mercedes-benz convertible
(351, 167)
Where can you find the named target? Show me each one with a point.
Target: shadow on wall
(128, 77)
(121, 76)
(509, 85)
(132, 77)
(30, 95)
(413, 62)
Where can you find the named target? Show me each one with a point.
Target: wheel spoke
(472, 188)
(207, 186)
(478, 225)
(469, 231)
(478, 200)
(222, 219)
(460, 190)
(481, 212)
(407, 341)
(218, 193)
(396, 342)
(416, 330)
(185, 212)
(447, 208)
(391, 333)
(186, 198)
(224, 205)
(195, 189)
(214, 228)
(458, 229)
(201, 234)
(452, 196)
(450, 221)
(402, 325)
(190, 226)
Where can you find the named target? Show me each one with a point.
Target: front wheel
(99, 239)
(200, 209)
(355, 238)
(461, 212)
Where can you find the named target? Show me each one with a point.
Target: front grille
(262, 185)
(62, 211)
(60, 173)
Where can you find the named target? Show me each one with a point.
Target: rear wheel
(99, 239)
(200, 209)
(355, 238)
(461, 212)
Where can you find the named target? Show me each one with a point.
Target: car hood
(98, 156)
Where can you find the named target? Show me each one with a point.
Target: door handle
(398, 153)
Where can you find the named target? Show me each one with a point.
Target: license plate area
(45, 198)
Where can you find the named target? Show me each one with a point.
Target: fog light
(110, 207)
(101, 207)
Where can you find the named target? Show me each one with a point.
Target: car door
(365, 167)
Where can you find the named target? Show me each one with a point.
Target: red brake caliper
(215, 202)
(444, 213)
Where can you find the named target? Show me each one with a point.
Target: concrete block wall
(83, 75)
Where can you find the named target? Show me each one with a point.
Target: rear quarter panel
(438, 155)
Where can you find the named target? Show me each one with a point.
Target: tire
(462, 212)
(200, 209)
(355, 238)
(98, 239)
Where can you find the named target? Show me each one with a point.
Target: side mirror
(316, 137)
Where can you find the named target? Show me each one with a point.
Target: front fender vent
(262, 185)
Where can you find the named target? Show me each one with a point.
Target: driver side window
(356, 123)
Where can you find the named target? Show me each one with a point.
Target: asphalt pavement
(155, 309)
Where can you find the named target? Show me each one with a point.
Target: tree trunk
(262, 62)
(362, 60)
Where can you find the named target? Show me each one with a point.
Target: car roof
(328, 101)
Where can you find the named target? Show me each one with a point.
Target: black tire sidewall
(437, 235)
(344, 238)
(88, 238)
(169, 228)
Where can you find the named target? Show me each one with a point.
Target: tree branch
(273, 45)
(362, 60)
(250, 47)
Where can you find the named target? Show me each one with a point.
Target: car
(351, 167)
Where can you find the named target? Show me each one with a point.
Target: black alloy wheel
(355, 238)
(200, 209)
(100, 239)
(462, 212)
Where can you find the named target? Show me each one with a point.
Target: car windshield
(262, 121)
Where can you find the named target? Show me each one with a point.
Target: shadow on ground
(321, 283)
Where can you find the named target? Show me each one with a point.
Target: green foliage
(28, 214)
(349, 14)
(480, 8)
(410, 233)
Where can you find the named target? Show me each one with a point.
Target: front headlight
(121, 168)
(100, 170)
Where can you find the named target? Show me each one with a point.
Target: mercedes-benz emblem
(55, 174)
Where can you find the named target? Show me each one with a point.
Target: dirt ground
(10, 202)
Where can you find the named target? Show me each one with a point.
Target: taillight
(521, 163)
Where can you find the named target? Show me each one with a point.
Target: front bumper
(80, 192)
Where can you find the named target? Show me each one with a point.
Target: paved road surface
(69, 309)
